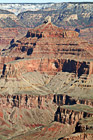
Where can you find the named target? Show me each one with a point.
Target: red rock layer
(7, 34)
(50, 49)
(50, 66)
(48, 40)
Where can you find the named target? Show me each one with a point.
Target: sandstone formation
(87, 34)
(85, 126)
(72, 114)
(50, 66)
(52, 46)
(8, 35)
(46, 84)
(79, 137)
(31, 101)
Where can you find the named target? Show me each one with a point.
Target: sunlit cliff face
(46, 84)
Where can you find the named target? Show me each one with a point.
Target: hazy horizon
(42, 1)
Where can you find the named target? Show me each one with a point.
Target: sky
(42, 1)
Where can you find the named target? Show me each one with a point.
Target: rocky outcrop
(17, 108)
(83, 130)
(29, 85)
(25, 101)
(84, 125)
(50, 66)
(85, 102)
(4, 60)
(60, 50)
(67, 100)
(63, 14)
(70, 116)
(49, 41)
(71, 17)
(46, 29)
(4, 16)
(7, 34)
(79, 136)
(63, 100)
(30, 101)
(87, 34)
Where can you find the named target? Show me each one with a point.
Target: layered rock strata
(31, 101)
(83, 130)
(7, 35)
(50, 66)
(31, 68)
(50, 49)
(79, 136)
(72, 115)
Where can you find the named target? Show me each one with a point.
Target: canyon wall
(60, 33)
(50, 66)
(67, 100)
(7, 34)
(3, 60)
(25, 101)
(30, 101)
(70, 116)
(79, 136)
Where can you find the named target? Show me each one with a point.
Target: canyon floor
(46, 86)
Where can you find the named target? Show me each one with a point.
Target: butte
(46, 86)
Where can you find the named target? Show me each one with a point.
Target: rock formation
(7, 34)
(52, 49)
(72, 115)
(63, 14)
(85, 126)
(46, 84)
(47, 19)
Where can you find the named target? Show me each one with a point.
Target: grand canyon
(46, 72)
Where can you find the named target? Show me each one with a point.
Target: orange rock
(1, 113)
